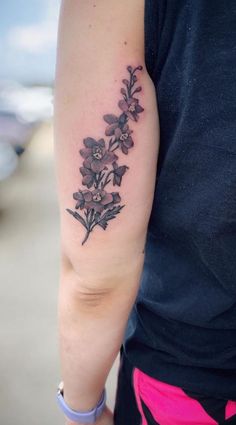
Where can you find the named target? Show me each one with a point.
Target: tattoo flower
(120, 130)
(114, 123)
(100, 167)
(96, 155)
(123, 136)
(131, 108)
(82, 196)
(98, 200)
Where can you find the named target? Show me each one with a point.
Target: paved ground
(29, 259)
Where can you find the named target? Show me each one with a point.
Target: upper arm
(98, 40)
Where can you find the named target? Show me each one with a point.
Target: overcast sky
(28, 39)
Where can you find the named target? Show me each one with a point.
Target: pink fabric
(168, 404)
(230, 409)
(137, 395)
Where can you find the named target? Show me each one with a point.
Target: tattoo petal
(128, 143)
(123, 105)
(89, 142)
(139, 109)
(87, 163)
(87, 181)
(116, 197)
(118, 133)
(87, 196)
(107, 199)
(124, 150)
(101, 142)
(97, 166)
(85, 152)
(111, 129)
(110, 118)
(109, 157)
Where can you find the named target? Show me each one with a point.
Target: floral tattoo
(100, 165)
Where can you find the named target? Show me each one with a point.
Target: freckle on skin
(125, 42)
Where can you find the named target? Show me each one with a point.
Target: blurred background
(29, 222)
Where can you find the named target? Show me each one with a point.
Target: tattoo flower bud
(131, 108)
(95, 154)
(118, 173)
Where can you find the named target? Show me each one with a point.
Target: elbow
(89, 288)
(99, 286)
(102, 273)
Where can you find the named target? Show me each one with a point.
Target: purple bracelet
(89, 417)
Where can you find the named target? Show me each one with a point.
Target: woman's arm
(106, 152)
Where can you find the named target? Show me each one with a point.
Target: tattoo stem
(116, 147)
(91, 218)
(86, 237)
(107, 178)
(112, 143)
(86, 215)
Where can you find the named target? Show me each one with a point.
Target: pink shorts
(143, 400)
(169, 405)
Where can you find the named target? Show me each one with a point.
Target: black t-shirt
(182, 329)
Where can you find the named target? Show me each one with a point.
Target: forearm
(91, 331)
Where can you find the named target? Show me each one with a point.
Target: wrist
(78, 417)
(99, 421)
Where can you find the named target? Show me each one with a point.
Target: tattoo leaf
(109, 215)
(118, 173)
(103, 223)
(77, 216)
